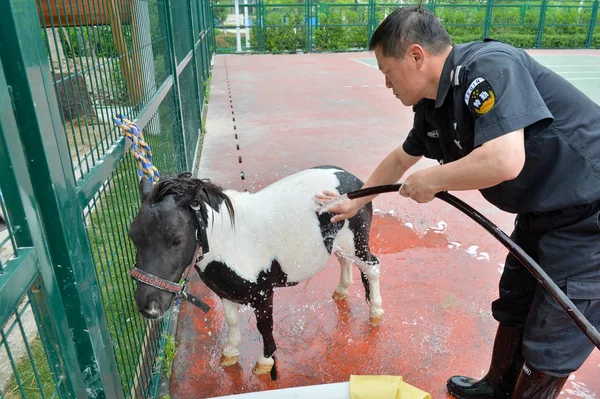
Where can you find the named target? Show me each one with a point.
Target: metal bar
(15, 281)
(212, 18)
(590, 35)
(9, 183)
(104, 225)
(184, 62)
(16, 312)
(178, 134)
(262, 17)
(307, 25)
(60, 361)
(125, 211)
(488, 18)
(90, 153)
(372, 20)
(150, 109)
(195, 63)
(540, 31)
(13, 363)
(95, 178)
(30, 355)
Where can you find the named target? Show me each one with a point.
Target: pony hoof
(261, 368)
(338, 297)
(228, 360)
(375, 321)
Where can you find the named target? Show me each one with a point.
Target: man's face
(402, 76)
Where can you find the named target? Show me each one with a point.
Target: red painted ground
(293, 112)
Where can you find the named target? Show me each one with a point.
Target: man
(499, 122)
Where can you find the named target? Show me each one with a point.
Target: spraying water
(337, 200)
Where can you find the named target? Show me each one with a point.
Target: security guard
(499, 122)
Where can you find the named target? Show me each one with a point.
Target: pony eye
(176, 242)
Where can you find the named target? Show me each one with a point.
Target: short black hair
(410, 25)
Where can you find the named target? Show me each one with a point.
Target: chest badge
(480, 97)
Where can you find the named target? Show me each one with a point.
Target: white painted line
(596, 78)
(564, 72)
(347, 86)
(364, 63)
(380, 85)
(364, 86)
(572, 66)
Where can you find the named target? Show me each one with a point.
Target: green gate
(69, 188)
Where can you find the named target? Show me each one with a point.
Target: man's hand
(343, 210)
(417, 186)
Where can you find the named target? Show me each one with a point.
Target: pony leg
(341, 291)
(263, 311)
(231, 352)
(370, 270)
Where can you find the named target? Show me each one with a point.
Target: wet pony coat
(258, 242)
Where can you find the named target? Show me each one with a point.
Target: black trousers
(566, 244)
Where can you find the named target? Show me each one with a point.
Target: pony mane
(192, 191)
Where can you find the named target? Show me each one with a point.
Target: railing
(313, 26)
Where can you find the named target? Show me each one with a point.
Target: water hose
(543, 278)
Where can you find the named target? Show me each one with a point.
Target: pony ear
(145, 188)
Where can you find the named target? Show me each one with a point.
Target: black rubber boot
(533, 384)
(505, 367)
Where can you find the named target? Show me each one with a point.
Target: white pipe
(246, 23)
(238, 37)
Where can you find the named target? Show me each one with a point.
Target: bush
(330, 37)
(225, 40)
(284, 30)
(562, 41)
(516, 39)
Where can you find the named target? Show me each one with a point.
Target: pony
(244, 245)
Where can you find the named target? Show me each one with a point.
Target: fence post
(542, 21)
(310, 26)
(263, 26)
(590, 36)
(259, 25)
(372, 20)
(196, 76)
(488, 18)
(432, 5)
(306, 25)
(178, 134)
(23, 55)
(211, 17)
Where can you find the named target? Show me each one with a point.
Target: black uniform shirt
(488, 89)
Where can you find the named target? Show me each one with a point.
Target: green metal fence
(268, 26)
(69, 188)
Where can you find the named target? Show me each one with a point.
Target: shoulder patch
(480, 96)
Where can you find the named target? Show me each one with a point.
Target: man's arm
(492, 163)
(389, 171)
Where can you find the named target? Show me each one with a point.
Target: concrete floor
(440, 270)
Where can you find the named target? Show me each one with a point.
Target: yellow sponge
(383, 387)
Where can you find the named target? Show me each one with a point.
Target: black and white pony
(250, 243)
